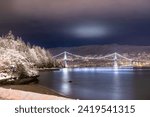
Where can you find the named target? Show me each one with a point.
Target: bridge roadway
(67, 56)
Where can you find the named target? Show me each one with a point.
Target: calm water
(98, 83)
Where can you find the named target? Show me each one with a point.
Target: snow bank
(4, 76)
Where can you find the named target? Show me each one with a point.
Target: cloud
(59, 9)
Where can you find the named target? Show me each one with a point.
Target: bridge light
(77, 57)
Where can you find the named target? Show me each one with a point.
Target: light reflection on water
(117, 86)
(65, 87)
(98, 83)
(111, 69)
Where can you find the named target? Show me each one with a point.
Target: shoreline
(35, 88)
(48, 69)
(30, 85)
(15, 94)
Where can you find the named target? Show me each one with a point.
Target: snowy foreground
(19, 63)
(21, 60)
(10, 94)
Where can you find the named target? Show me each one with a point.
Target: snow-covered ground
(4, 76)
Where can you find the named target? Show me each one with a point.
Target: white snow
(18, 58)
(4, 76)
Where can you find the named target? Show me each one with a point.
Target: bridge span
(116, 59)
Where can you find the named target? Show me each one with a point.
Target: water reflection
(108, 69)
(65, 86)
(117, 88)
(65, 74)
(99, 83)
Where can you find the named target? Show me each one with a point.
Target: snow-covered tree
(21, 59)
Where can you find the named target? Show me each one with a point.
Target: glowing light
(65, 86)
(65, 72)
(115, 66)
(89, 31)
(116, 70)
(117, 87)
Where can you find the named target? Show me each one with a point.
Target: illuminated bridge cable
(114, 56)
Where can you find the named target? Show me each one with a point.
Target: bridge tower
(115, 61)
(65, 59)
(114, 57)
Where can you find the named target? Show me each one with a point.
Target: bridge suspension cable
(58, 55)
(75, 55)
(113, 55)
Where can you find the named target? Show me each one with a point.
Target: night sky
(66, 23)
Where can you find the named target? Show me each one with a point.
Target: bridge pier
(115, 61)
(115, 65)
(66, 65)
(65, 59)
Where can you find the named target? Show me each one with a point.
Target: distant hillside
(102, 49)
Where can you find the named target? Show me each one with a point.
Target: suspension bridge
(115, 60)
